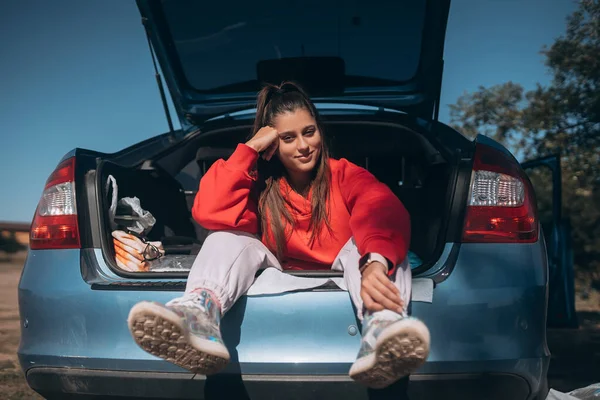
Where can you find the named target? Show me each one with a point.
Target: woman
(280, 201)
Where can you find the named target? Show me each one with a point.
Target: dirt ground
(575, 353)
(12, 383)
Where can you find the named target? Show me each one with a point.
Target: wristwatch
(368, 258)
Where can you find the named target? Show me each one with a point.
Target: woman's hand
(265, 141)
(378, 292)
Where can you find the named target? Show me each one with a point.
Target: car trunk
(302, 335)
(412, 162)
(215, 60)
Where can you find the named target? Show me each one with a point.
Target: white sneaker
(392, 347)
(184, 332)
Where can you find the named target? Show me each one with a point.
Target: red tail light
(54, 224)
(501, 206)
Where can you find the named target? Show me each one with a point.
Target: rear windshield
(219, 43)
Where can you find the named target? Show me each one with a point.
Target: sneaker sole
(160, 332)
(399, 351)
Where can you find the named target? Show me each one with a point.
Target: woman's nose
(302, 144)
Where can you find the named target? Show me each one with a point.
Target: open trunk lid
(381, 53)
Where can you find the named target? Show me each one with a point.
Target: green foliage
(495, 112)
(9, 244)
(560, 118)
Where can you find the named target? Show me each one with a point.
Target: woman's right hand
(265, 141)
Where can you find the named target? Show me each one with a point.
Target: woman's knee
(229, 244)
(229, 238)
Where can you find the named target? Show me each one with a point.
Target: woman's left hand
(378, 292)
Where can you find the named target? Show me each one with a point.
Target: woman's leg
(227, 264)
(186, 331)
(347, 261)
(393, 345)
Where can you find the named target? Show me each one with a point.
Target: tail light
(54, 224)
(501, 206)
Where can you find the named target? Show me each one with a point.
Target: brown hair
(276, 220)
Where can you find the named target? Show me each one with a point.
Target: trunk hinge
(436, 104)
(159, 80)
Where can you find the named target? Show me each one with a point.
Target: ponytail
(273, 100)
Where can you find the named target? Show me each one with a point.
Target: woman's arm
(379, 224)
(378, 219)
(224, 200)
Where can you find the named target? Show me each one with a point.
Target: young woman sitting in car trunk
(280, 201)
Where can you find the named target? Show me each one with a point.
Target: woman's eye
(309, 132)
(288, 138)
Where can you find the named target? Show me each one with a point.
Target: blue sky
(78, 74)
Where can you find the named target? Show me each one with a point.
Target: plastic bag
(133, 217)
(111, 184)
(127, 213)
(555, 395)
(134, 254)
(172, 263)
(591, 392)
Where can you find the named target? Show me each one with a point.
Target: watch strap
(371, 257)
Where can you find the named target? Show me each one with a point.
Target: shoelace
(377, 321)
(192, 300)
(188, 300)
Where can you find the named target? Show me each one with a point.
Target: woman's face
(299, 141)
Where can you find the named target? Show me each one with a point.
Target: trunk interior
(419, 173)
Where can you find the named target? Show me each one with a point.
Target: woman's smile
(305, 157)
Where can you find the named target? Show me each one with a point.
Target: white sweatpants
(228, 262)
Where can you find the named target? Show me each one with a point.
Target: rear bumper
(189, 386)
(487, 322)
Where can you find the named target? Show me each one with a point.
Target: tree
(562, 117)
(496, 112)
(9, 244)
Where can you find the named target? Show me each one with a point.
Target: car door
(545, 175)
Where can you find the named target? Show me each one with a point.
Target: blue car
(490, 271)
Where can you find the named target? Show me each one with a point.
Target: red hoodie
(360, 207)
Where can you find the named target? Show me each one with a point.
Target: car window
(220, 45)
